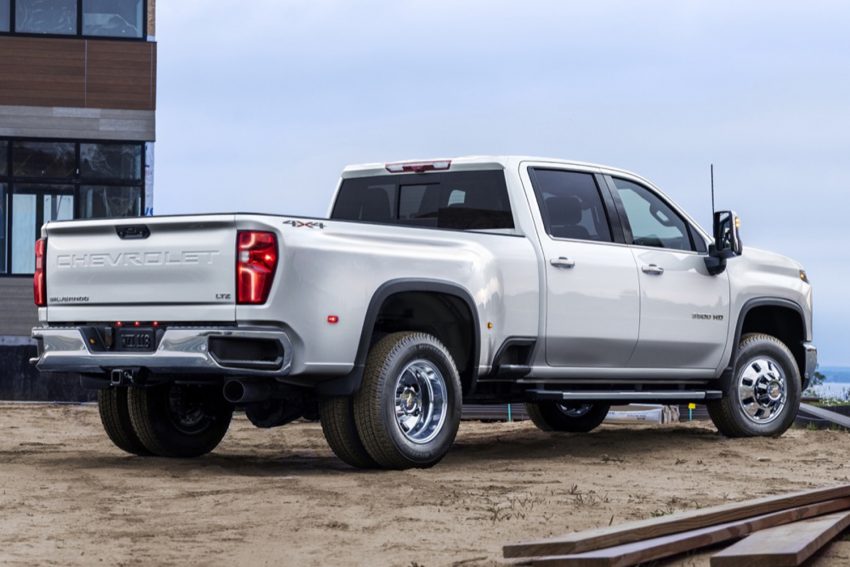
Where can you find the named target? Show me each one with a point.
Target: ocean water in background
(837, 384)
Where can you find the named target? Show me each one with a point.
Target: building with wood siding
(77, 131)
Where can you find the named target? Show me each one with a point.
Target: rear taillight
(39, 279)
(256, 260)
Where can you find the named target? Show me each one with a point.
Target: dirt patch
(273, 497)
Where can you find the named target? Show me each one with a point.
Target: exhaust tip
(234, 391)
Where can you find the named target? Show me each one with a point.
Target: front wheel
(763, 396)
(179, 420)
(574, 417)
(408, 408)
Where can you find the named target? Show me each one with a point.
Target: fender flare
(748, 306)
(350, 383)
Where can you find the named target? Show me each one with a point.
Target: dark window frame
(78, 34)
(76, 181)
(691, 231)
(612, 216)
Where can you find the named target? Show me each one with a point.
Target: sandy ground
(279, 497)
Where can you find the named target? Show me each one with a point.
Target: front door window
(652, 221)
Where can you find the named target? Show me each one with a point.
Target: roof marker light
(418, 166)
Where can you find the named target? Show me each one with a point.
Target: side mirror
(727, 237)
(727, 241)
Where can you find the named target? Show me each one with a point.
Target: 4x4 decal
(305, 224)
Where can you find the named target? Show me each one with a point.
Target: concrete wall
(20, 381)
(77, 123)
(17, 311)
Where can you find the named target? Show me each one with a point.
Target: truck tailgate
(146, 269)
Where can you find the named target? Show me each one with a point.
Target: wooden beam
(658, 548)
(783, 546)
(830, 416)
(656, 527)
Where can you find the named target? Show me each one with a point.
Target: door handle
(562, 262)
(653, 269)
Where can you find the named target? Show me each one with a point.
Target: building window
(113, 18)
(43, 181)
(5, 15)
(111, 161)
(58, 17)
(86, 18)
(43, 159)
(32, 206)
(3, 216)
(98, 201)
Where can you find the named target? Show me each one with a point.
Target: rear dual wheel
(168, 420)
(407, 411)
(115, 417)
(575, 417)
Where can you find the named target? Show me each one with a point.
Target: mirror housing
(727, 235)
(727, 241)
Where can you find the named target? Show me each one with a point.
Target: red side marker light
(333, 319)
(156, 323)
(119, 324)
(137, 324)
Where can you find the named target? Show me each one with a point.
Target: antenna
(712, 189)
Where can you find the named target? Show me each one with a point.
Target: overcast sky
(261, 103)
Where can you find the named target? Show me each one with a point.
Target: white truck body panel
(603, 319)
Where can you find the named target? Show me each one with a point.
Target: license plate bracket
(135, 339)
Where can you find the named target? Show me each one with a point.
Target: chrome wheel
(421, 401)
(574, 409)
(762, 390)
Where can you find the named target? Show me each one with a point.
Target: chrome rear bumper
(181, 350)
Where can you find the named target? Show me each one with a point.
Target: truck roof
(476, 162)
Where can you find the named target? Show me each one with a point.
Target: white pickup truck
(563, 285)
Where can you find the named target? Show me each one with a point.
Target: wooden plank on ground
(783, 546)
(658, 548)
(629, 532)
(831, 416)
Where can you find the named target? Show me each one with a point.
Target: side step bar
(626, 396)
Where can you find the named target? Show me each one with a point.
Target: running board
(634, 396)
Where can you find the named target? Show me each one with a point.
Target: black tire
(115, 417)
(400, 356)
(575, 417)
(340, 429)
(728, 413)
(181, 420)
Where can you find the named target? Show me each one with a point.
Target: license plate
(135, 339)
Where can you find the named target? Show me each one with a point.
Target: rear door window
(571, 204)
(467, 200)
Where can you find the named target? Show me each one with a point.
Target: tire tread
(115, 416)
(145, 405)
(340, 429)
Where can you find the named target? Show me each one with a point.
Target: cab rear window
(466, 200)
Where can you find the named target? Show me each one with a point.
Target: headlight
(804, 276)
